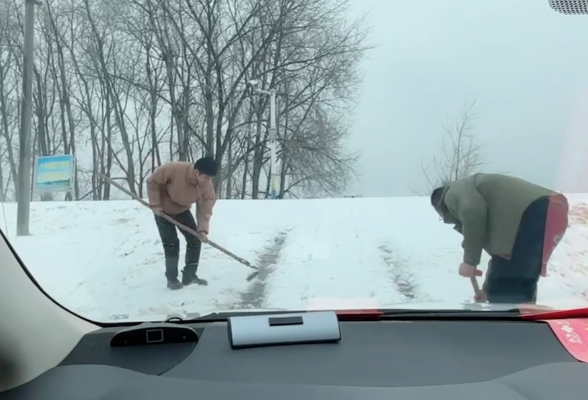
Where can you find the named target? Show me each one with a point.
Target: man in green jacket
(518, 223)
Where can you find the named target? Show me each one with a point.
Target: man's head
(205, 168)
(437, 199)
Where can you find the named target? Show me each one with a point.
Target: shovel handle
(474, 282)
(475, 285)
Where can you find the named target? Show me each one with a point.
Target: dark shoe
(174, 284)
(199, 281)
(190, 279)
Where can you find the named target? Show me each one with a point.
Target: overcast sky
(526, 64)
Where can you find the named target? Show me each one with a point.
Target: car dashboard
(372, 360)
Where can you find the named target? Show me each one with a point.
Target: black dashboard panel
(374, 360)
(383, 354)
(95, 349)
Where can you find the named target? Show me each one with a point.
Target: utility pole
(25, 156)
(273, 136)
(272, 145)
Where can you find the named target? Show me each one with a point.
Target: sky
(526, 65)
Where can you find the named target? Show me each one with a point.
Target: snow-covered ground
(104, 260)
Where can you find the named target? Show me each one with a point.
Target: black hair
(206, 166)
(437, 198)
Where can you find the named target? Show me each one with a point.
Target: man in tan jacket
(172, 189)
(518, 223)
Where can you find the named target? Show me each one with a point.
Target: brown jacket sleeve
(204, 207)
(156, 183)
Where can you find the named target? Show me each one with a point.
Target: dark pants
(515, 280)
(171, 244)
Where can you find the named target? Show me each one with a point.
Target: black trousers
(171, 244)
(515, 280)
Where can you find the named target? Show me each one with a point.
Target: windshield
(182, 157)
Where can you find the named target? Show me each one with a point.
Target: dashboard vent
(570, 7)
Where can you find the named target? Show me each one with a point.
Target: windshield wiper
(469, 315)
(427, 314)
(511, 314)
(521, 313)
(373, 315)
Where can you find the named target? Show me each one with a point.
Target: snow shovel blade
(252, 276)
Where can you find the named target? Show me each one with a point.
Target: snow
(104, 260)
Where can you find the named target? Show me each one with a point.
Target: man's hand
(468, 271)
(481, 297)
(157, 210)
(203, 236)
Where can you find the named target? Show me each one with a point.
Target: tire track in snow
(402, 278)
(266, 261)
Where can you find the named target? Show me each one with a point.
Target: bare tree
(126, 85)
(461, 152)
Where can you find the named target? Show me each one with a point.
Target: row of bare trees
(126, 85)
